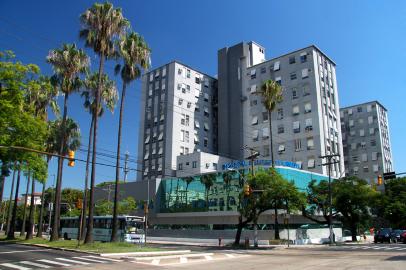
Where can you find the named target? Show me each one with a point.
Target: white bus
(130, 228)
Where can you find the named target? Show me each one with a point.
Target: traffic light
(71, 155)
(79, 204)
(247, 190)
(380, 182)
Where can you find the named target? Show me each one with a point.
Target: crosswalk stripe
(230, 255)
(53, 262)
(35, 264)
(15, 266)
(155, 262)
(183, 260)
(90, 260)
(209, 258)
(72, 261)
(103, 258)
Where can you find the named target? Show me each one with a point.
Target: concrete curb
(145, 254)
(58, 248)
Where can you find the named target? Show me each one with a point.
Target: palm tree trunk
(11, 199)
(41, 211)
(31, 223)
(10, 234)
(270, 137)
(22, 232)
(85, 195)
(89, 232)
(57, 202)
(277, 237)
(116, 190)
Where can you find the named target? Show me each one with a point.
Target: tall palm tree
(188, 180)
(109, 97)
(271, 93)
(102, 24)
(28, 175)
(136, 56)
(11, 230)
(207, 180)
(68, 64)
(227, 178)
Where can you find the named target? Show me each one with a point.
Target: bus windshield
(134, 226)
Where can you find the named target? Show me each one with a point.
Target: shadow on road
(396, 258)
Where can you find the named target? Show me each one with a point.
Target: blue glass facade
(216, 191)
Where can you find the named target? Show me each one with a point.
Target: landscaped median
(96, 247)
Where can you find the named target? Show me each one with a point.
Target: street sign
(389, 175)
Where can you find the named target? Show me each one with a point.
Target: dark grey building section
(230, 83)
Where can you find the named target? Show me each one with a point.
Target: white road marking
(183, 260)
(72, 261)
(35, 264)
(90, 260)
(15, 266)
(21, 251)
(155, 262)
(209, 258)
(230, 255)
(102, 258)
(53, 262)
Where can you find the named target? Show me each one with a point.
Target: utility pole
(125, 166)
(330, 161)
(253, 155)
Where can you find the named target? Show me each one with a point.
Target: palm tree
(188, 180)
(10, 233)
(68, 63)
(227, 178)
(28, 175)
(207, 180)
(271, 93)
(109, 97)
(102, 25)
(136, 56)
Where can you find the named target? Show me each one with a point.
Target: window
(147, 139)
(306, 90)
(309, 124)
(359, 109)
(310, 143)
(146, 155)
(310, 163)
(305, 73)
(189, 104)
(281, 129)
(255, 134)
(369, 108)
(253, 73)
(150, 90)
(206, 126)
(206, 111)
(293, 76)
(281, 148)
(278, 80)
(253, 102)
(151, 77)
(197, 124)
(180, 101)
(371, 131)
(364, 157)
(355, 169)
(353, 146)
(182, 135)
(265, 152)
(350, 111)
(375, 167)
(351, 123)
(308, 107)
(355, 158)
(298, 145)
(280, 114)
(186, 136)
(295, 110)
(265, 133)
(361, 132)
(303, 57)
(164, 72)
(373, 142)
(194, 164)
(263, 69)
(292, 60)
(296, 127)
(206, 97)
(374, 156)
(265, 116)
(205, 141)
(197, 93)
(366, 169)
(180, 166)
(215, 167)
(277, 66)
(360, 121)
(370, 119)
(206, 82)
(197, 79)
(196, 139)
(363, 145)
(254, 120)
(294, 93)
(197, 108)
(253, 88)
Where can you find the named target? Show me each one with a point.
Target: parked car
(395, 235)
(403, 237)
(383, 235)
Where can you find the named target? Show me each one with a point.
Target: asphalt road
(14, 256)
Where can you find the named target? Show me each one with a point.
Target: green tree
(68, 64)
(391, 205)
(207, 180)
(136, 56)
(102, 24)
(317, 202)
(109, 96)
(271, 93)
(125, 207)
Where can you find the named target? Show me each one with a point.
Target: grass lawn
(97, 247)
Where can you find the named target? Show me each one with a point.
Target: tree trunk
(11, 199)
(57, 202)
(31, 223)
(2, 180)
(116, 190)
(41, 211)
(239, 231)
(85, 193)
(22, 231)
(277, 237)
(353, 228)
(10, 234)
(89, 232)
(256, 232)
(270, 137)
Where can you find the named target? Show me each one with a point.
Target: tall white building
(178, 116)
(367, 148)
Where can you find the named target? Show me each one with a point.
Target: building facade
(306, 124)
(178, 117)
(367, 148)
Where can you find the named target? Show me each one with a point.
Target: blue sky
(366, 39)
